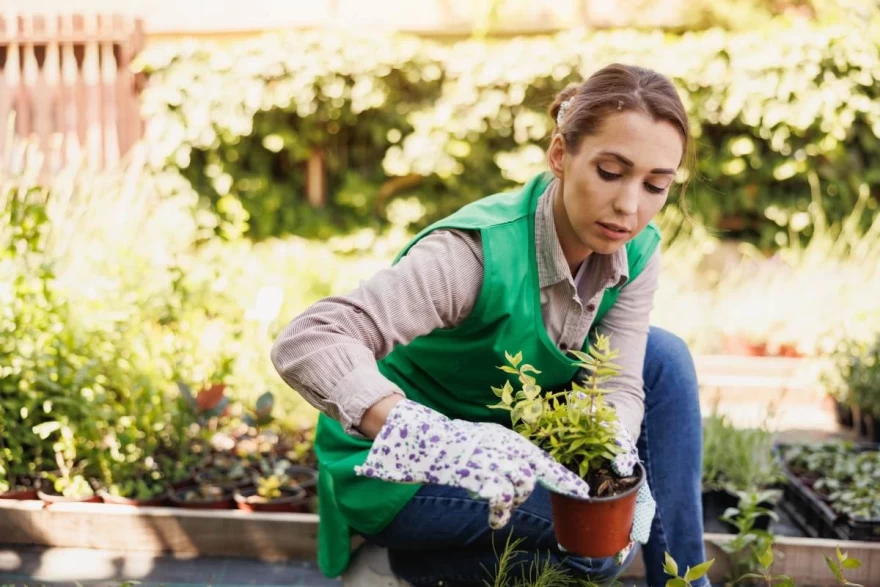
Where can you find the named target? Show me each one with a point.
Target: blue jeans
(443, 535)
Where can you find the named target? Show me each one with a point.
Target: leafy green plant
(691, 574)
(749, 542)
(469, 120)
(841, 565)
(577, 427)
(738, 459)
(764, 558)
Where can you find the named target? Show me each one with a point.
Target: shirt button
(563, 347)
(591, 307)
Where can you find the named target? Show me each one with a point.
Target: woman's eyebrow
(628, 163)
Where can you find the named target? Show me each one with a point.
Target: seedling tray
(817, 518)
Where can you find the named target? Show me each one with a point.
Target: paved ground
(98, 568)
(68, 566)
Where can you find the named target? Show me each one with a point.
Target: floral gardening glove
(420, 445)
(623, 465)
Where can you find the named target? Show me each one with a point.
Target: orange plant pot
(597, 527)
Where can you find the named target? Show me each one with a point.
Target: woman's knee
(669, 363)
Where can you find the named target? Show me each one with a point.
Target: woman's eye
(654, 189)
(607, 175)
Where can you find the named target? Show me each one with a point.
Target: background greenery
(786, 121)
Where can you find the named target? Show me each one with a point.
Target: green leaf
(676, 583)
(529, 369)
(765, 557)
(670, 566)
(508, 369)
(840, 555)
(834, 569)
(513, 360)
(699, 571)
(851, 563)
(786, 581)
(497, 391)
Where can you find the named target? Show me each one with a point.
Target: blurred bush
(786, 119)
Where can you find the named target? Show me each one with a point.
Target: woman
(402, 366)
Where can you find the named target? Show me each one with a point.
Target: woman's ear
(556, 155)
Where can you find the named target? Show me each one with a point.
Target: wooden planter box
(277, 537)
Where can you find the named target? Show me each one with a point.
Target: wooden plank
(276, 537)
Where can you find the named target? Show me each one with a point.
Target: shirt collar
(552, 266)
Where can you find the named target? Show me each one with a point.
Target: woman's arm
(329, 353)
(627, 323)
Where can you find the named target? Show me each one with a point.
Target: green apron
(452, 370)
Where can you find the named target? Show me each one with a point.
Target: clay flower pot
(293, 499)
(597, 527)
(159, 500)
(20, 494)
(198, 498)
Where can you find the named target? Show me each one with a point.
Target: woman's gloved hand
(419, 445)
(623, 465)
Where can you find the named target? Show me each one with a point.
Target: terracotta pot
(159, 500)
(598, 527)
(224, 502)
(53, 497)
(294, 500)
(738, 345)
(20, 494)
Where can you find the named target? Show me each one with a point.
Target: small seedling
(844, 562)
(765, 560)
(690, 574)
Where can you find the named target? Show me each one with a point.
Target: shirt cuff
(356, 393)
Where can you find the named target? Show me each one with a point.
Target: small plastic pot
(157, 501)
(51, 496)
(20, 494)
(597, 527)
(222, 502)
(293, 500)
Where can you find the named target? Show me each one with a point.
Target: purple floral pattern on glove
(420, 445)
(625, 462)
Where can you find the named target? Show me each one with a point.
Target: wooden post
(316, 180)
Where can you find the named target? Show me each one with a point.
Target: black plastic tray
(816, 518)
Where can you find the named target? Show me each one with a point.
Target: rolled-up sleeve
(329, 353)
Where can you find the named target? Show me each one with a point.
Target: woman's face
(615, 183)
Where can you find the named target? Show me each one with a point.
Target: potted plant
(273, 493)
(579, 429)
(226, 470)
(203, 497)
(142, 491)
(67, 488)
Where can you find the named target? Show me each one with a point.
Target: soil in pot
(599, 526)
(203, 497)
(292, 499)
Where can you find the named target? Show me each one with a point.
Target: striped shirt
(329, 353)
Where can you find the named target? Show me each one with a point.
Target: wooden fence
(65, 81)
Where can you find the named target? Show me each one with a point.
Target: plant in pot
(274, 492)
(67, 487)
(579, 429)
(204, 497)
(226, 470)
